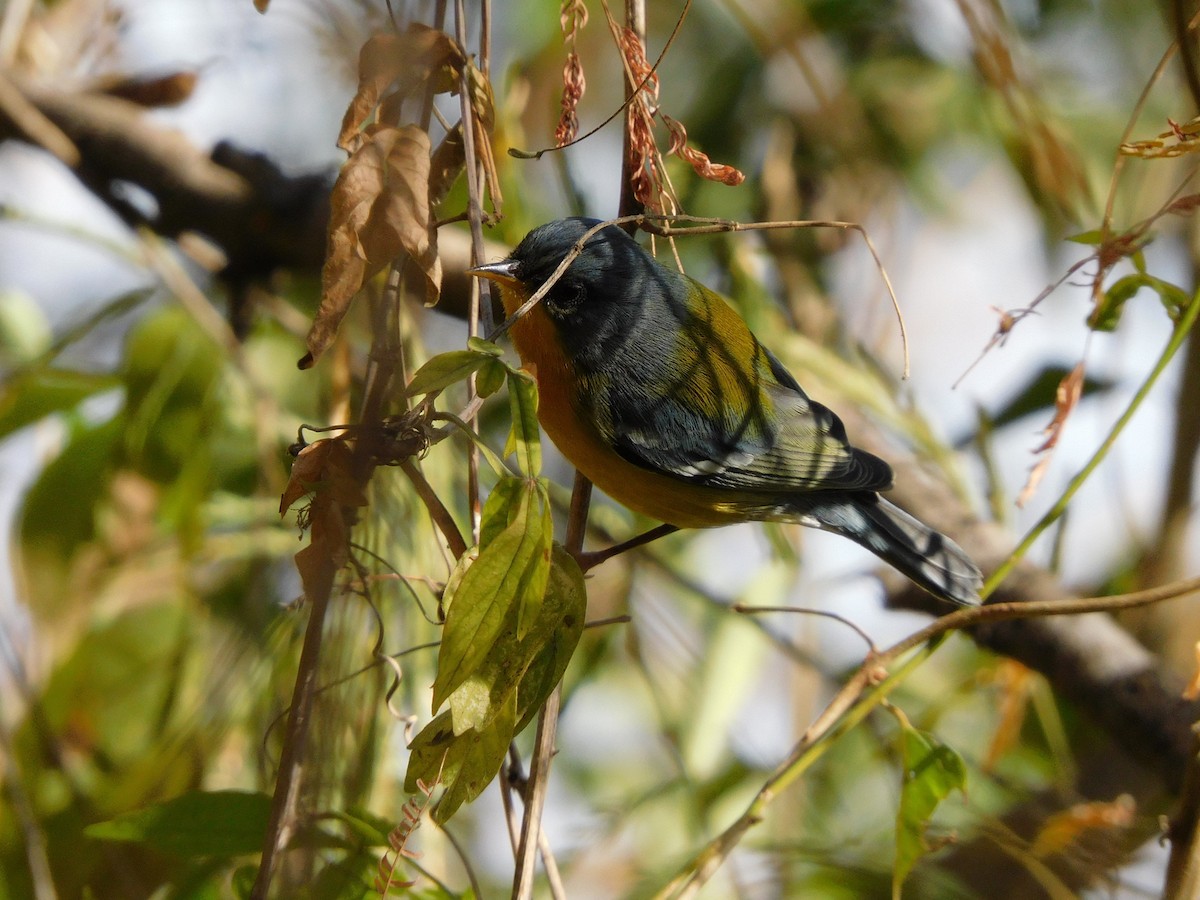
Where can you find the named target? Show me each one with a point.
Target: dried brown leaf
(306, 472)
(379, 208)
(572, 16)
(323, 467)
(574, 85)
(1066, 397)
(1070, 389)
(409, 58)
(1177, 140)
(165, 90)
(1063, 829)
(1185, 206)
(1015, 683)
(703, 166)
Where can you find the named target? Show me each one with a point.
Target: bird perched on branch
(656, 390)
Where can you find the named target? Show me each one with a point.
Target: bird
(654, 387)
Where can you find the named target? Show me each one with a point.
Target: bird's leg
(591, 560)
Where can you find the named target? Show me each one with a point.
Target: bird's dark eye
(565, 298)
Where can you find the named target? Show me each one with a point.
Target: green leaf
(498, 510)
(200, 823)
(1106, 316)
(490, 377)
(931, 771)
(465, 763)
(486, 347)
(36, 393)
(370, 828)
(1174, 298)
(531, 664)
(525, 438)
(243, 880)
(557, 634)
(59, 515)
(1108, 313)
(446, 369)
(507, 572)
(1092, 238)
(540, 532)
(434, 756)
(483, 754)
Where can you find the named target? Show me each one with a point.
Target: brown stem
(589, 561)
(295, 741)
(1183, 867)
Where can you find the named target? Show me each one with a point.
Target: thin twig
(1178, 336)
(746, 609)
(535, 794)
(291, 760)
(660, 225)
(437, 509)
(864, 690)
(547, 728)
(284, 802)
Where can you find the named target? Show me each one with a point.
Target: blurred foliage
(141, 715)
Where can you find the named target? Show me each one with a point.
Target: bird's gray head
(597, 300)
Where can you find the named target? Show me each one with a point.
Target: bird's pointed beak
(501, 272)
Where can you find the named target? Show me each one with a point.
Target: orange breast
(561, 415)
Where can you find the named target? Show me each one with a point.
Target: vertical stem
(1182, 328)
(547, 728)
(539, 770)
(635, 20)
(1183, 867)
(478, 314)
(284, 802)
(295, 741)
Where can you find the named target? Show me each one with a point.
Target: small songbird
(655, 389)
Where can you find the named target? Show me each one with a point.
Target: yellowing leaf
(465, 763)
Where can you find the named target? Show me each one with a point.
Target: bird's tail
(930, 559)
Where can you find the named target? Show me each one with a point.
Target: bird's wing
(742, 428)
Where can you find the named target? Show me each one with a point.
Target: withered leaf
(1065, 828)
(410, 58)
(700, 163)
(379, 208)
(164, 90)
(324, 469)
(323, 466)
(1070, 389)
